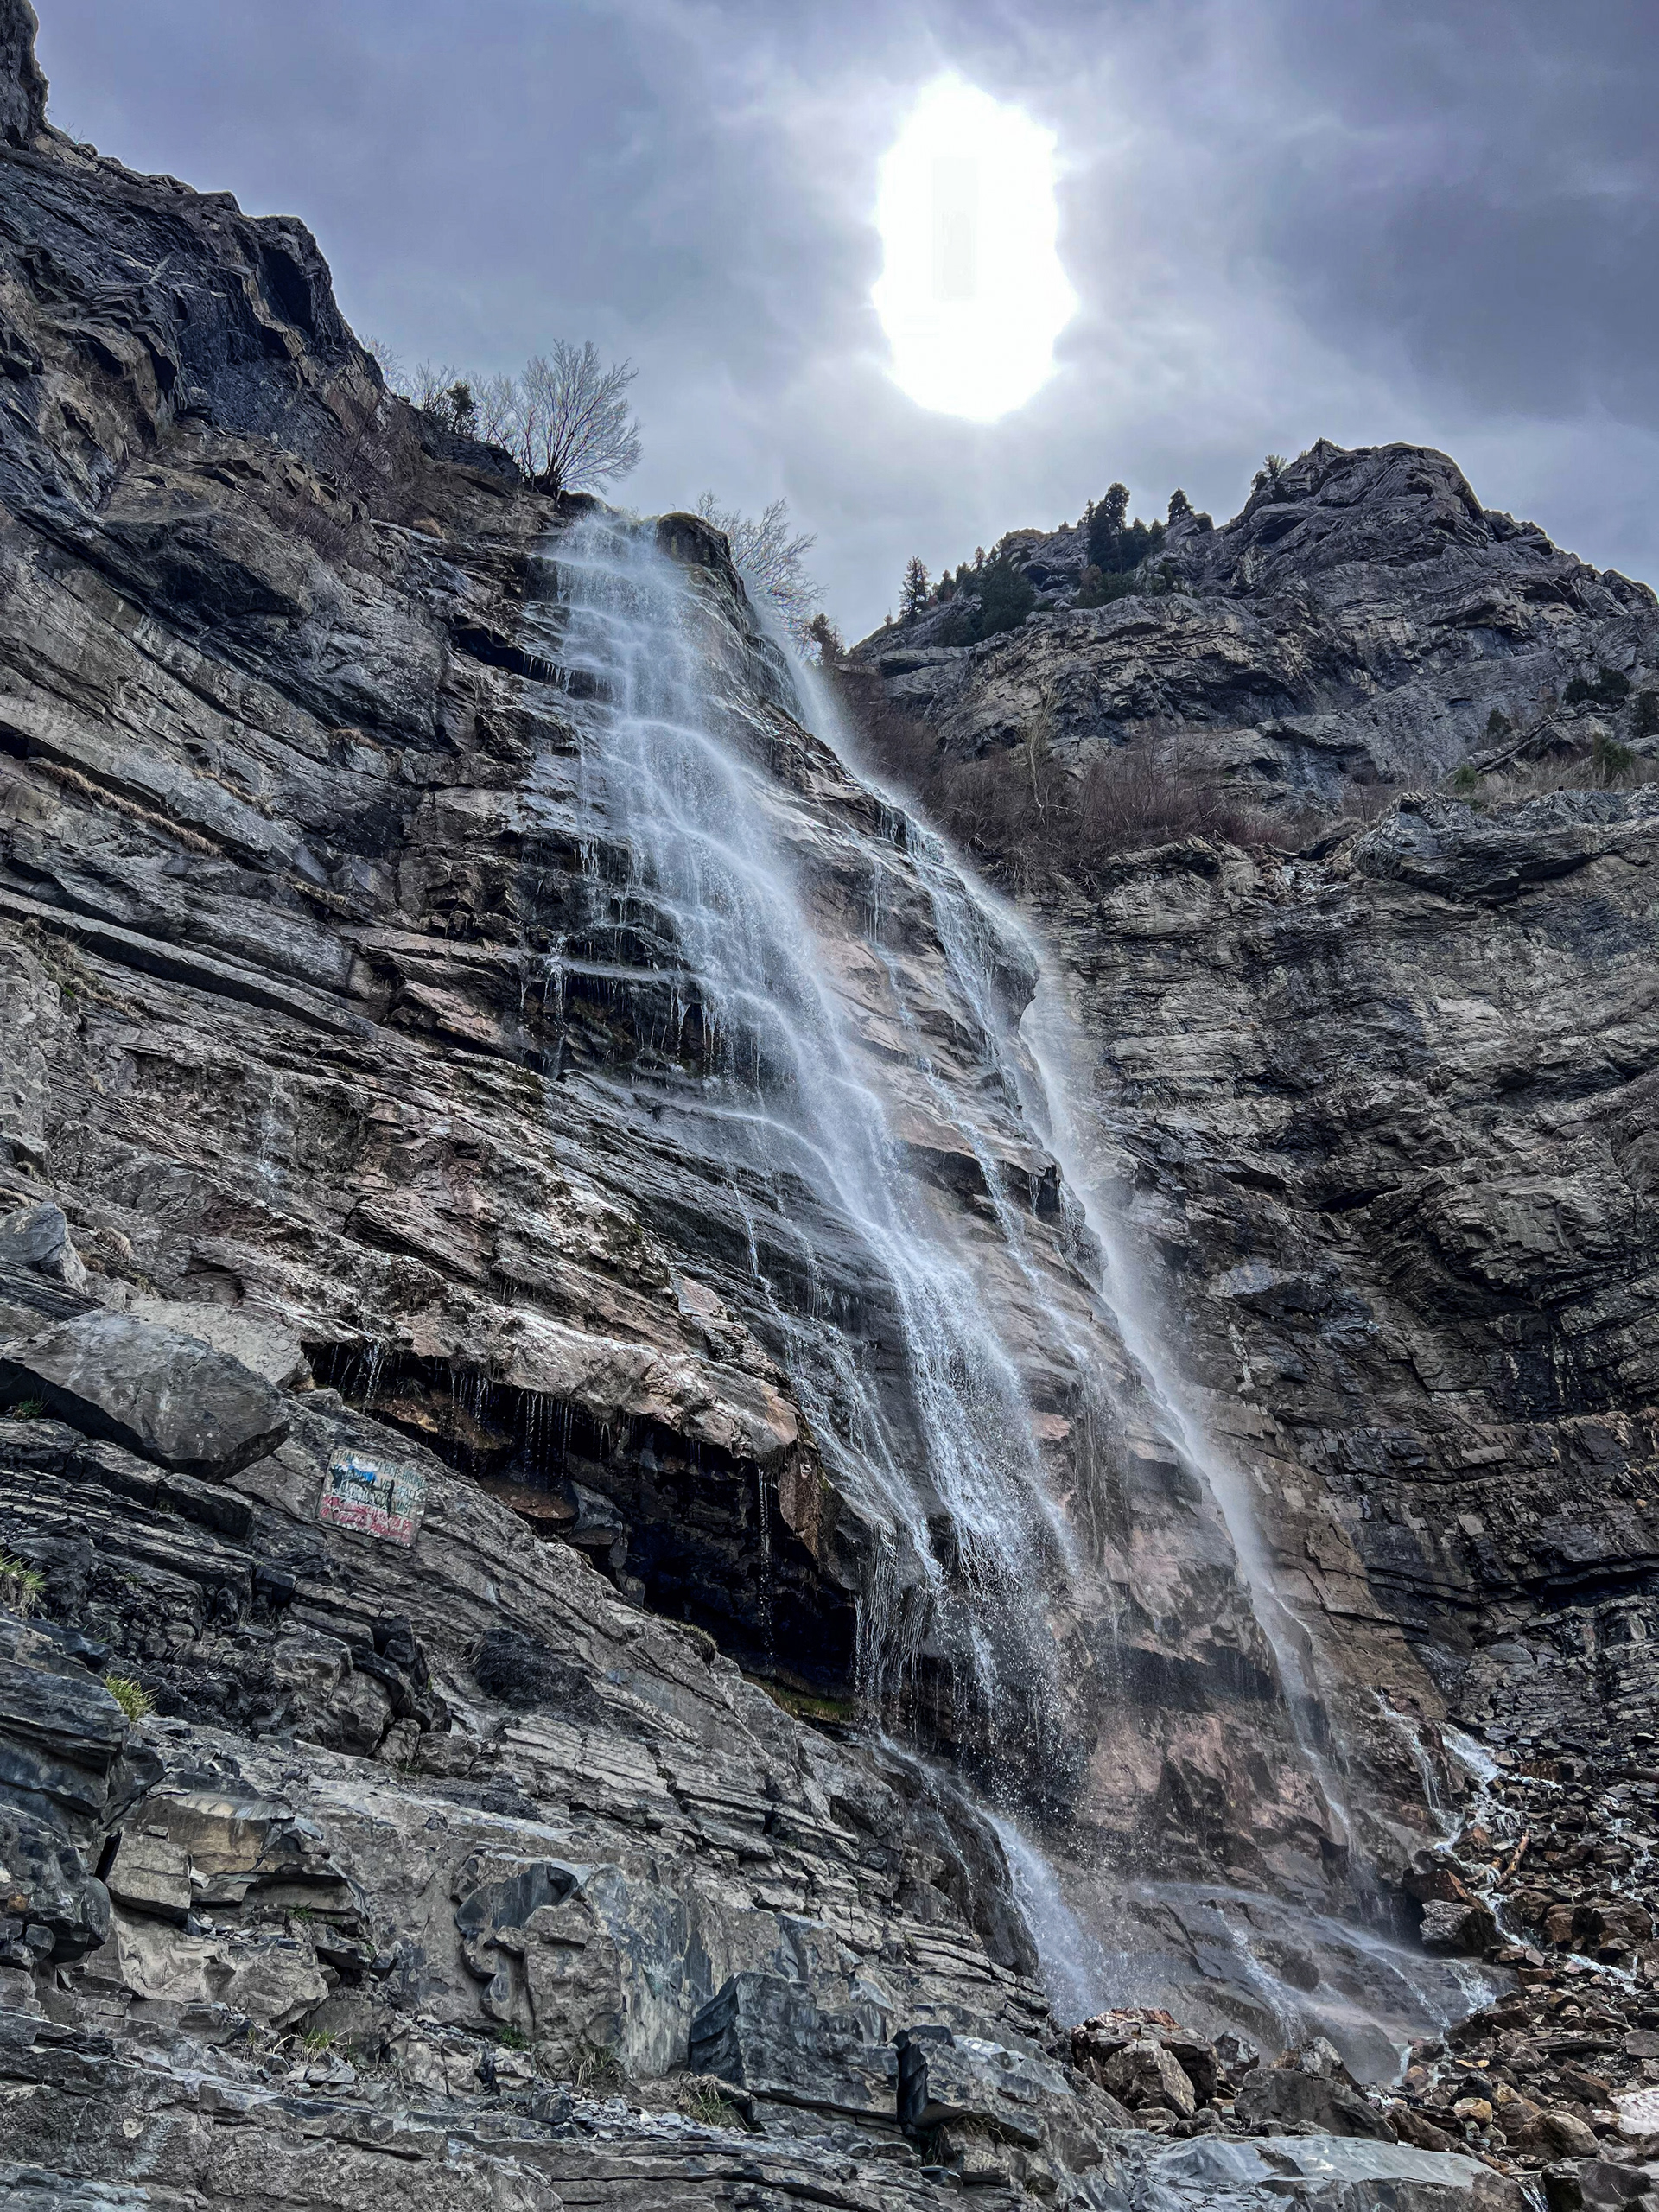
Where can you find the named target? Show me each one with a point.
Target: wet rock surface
(343, 1037)
(1370, 1148)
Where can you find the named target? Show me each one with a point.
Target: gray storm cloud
(1281, 221)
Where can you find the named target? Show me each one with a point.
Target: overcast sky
(1432, 219)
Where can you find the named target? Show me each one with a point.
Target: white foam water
(706, 858)
(698, 853)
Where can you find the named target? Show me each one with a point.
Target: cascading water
(1379, 1991)
(695, 845)
(739, 875)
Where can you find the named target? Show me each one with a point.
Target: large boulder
(1332, 2173)
(170, 1398)
(1113, 2049)
(1310, 2088)
(67, 1774)
(946, 2079)
(1461, 1926)
(778, 2040)
(1143, 2073)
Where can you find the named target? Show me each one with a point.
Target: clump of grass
(805, 1705)
(28, 1409)
(1608, 766)
(598, 2072)
(133, 1699)
(511, 2039)
(21, 1587)
(315, 2041)
(702, 2101)
(1609, 759)
(1609, 687)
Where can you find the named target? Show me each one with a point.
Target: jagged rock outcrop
(22, 88)
(1361, 622)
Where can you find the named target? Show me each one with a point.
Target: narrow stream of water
(700, 853)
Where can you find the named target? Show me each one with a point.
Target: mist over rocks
(539, 1739)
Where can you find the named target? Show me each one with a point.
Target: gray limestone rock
(38, 1237)
(51, 1907)
(1287, 2097)
(947, 2077)
(1333, 2174)
(170, 1398)
(791, 2044)
(1361, 621)
(22, 86)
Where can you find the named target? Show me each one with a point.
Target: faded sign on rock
(374, 1497)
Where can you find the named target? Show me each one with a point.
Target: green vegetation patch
(133, 1699)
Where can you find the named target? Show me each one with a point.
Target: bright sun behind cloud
(972, 295)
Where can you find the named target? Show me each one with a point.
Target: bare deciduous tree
(496, 399)
(767, 554)
(565, 421)
(389, 364)
(571, 429)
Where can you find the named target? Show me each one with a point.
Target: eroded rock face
(1361, 622)
(1388, 1191)
(322, 1021)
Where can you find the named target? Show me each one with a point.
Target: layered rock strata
(339, 1040)
(358, 1794)
(411, 1402)
(1363, 622)
(1364, 1123)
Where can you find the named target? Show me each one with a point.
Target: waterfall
(821, 1009)
(1050, 1032)
(703, 808)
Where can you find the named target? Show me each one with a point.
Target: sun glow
(972, 295)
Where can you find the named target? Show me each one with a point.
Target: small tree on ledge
(575, 429)
(913, 592)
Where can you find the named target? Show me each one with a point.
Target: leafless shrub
(565, 420)
(390, 363)
(767, 554)
(570, 425)
(1030, 822)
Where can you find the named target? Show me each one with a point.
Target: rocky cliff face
(1364, 1123)
(1363, 623)
(560, 1413)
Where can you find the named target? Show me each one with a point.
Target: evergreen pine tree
(913, 593)
(1106, 522)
